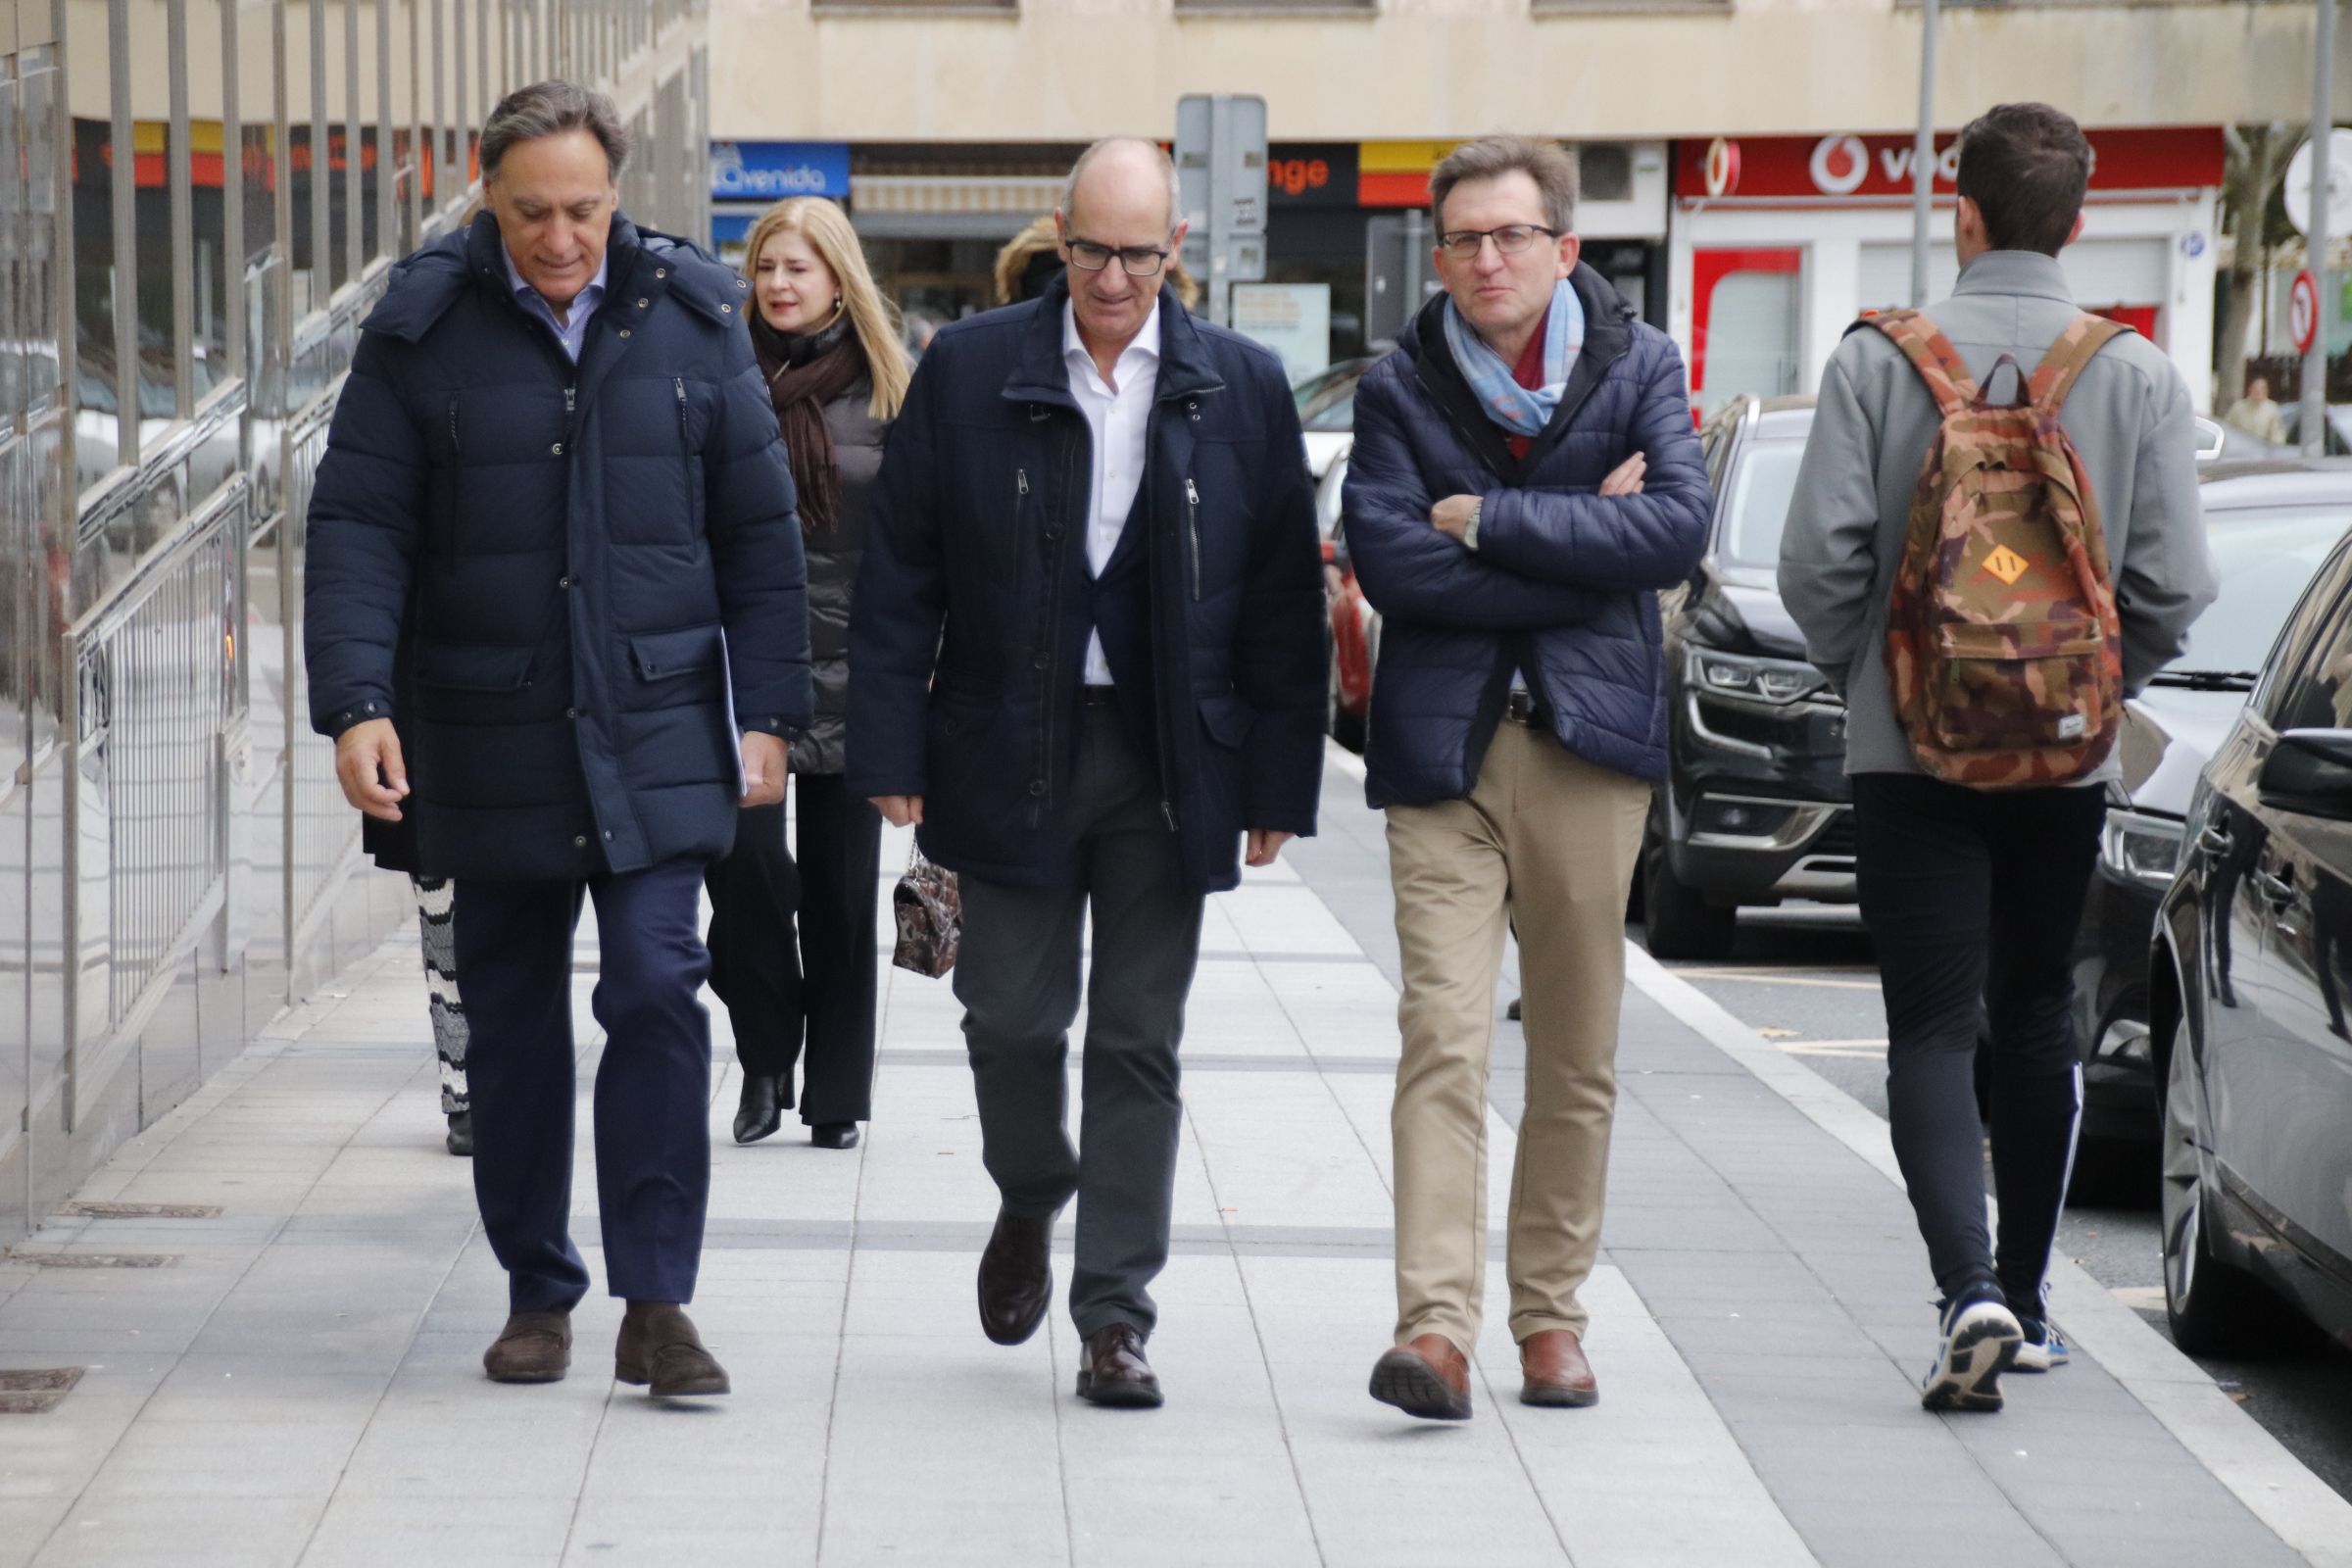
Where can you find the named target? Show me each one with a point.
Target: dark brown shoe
(534, 1348)
(659, 1347)
(1112, 1371)
(1016, 1277)
(1428, 1377)
(1554, 1369)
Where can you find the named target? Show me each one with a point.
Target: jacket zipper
(685, 445)
(455, 445)
(1021, 496)
(1192, 514)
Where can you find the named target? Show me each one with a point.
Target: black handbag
(929, 908)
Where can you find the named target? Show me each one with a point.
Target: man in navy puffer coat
(556, 623)
(1524, 478)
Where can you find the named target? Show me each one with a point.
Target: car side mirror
(2210, 438)
(2309, 771)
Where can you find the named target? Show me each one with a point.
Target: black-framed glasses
(1510, 239)
(1139, 261)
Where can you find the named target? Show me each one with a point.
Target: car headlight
(2140, 848)
(1777, 681)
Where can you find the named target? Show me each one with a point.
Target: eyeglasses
(1462, 243)
(1139, 261)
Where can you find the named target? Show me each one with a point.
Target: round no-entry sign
(2303, 311)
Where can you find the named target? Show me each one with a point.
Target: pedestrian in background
(2256, 414)
(437, 907)
(1524, 478)
(554, 488)
(1973, 895)
(1087, 659)
(792, 942)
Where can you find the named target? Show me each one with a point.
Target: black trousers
(1018, 975)
(816, 988)
(1973, 897)
(652, 1086)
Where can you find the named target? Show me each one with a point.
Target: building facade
(951, 121)
(199, 202)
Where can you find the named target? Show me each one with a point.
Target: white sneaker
(1979, 1339)
(2042, 1347)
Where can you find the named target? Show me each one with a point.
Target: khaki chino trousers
(1547, 844)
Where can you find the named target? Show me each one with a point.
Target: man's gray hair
(1160, 156)
(549, 109)
(1549, 163)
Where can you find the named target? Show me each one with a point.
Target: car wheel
(1677, 921)
(2214, 1309)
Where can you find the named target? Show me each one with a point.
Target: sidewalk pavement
(292, 1374)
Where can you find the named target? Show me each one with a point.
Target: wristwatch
(1478, 506)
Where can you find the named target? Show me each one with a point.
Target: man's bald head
(1118, 168)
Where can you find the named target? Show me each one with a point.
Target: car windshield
(1761, 486)
(2263, 556)
(1327, 401)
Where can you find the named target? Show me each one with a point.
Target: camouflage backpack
(2002, 641)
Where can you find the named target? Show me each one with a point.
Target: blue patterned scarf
(1522, 410)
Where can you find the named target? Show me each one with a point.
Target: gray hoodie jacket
(2129, 417)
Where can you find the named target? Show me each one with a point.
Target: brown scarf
(804, 375)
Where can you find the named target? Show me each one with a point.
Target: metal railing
(150, 677)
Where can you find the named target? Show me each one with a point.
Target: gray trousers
(1018, 975)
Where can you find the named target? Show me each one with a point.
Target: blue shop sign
(770, 170)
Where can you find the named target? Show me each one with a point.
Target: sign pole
(2313, 421)
(1923, 155)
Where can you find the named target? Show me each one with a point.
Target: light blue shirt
(574, 331)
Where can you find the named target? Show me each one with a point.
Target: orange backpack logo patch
(2007, 564)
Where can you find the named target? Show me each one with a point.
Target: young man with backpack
(1995, 538)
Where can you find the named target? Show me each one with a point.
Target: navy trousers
(652, 1086)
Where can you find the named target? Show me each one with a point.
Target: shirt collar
(588, 295)
(1073, 346)
(2015, 273)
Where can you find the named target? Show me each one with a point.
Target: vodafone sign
(1846, 167)
(1839, 165)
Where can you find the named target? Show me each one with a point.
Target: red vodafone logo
(1723, 167)
(1839, 165)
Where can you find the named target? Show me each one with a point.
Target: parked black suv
(1755, 807)
(2250, 978)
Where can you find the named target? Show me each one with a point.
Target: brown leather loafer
(1428, 1377)
(1112, 1371)
(659, 1348)
(1016, 1277)
(1554, 1369)
(534, 1348)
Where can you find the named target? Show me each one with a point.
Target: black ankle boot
(461, 1132)
(834, 1135)
(762, 1110)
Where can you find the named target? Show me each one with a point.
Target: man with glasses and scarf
(1524, 478)
(1086, 659)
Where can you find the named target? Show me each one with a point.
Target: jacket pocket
(660, 655)
(474, 668)
(1228, 720)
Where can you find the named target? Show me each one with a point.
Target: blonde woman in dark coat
(792, 938)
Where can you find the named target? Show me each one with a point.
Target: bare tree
(2258, 158)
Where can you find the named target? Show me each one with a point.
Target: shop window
(1746, 324)
(13, 332)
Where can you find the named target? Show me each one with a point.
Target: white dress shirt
(1119, 417)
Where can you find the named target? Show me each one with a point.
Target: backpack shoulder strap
(1932, 355)
(2074, 349)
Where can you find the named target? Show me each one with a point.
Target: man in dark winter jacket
(1524, 477)
(555, 622)
(1087, 656)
